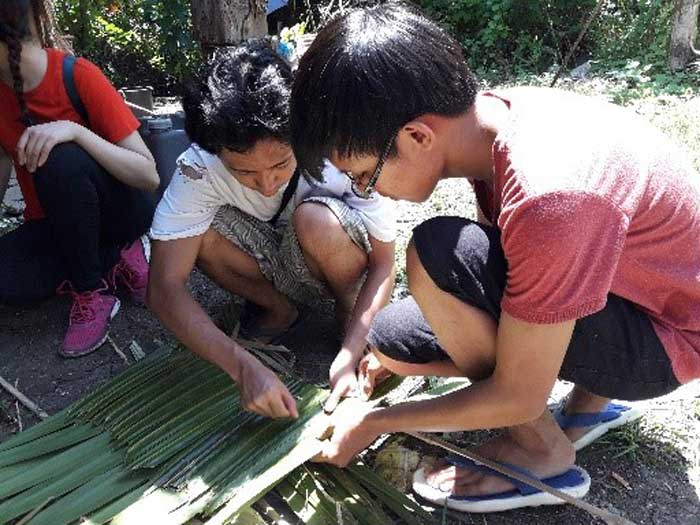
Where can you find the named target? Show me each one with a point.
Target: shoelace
(125, 273)
(82, 310)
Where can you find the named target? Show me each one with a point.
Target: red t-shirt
(109, 117)
(590, 199)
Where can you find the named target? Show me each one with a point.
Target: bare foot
(581, 401)
(542, 463)
(270, 324)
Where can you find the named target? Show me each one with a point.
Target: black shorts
(613, 353)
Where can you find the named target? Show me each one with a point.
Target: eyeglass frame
(369, 188)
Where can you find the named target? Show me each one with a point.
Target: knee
(65, 166)
(400, 334)
(386, 330)
(208, 249)
(445, 247)
(314, 224)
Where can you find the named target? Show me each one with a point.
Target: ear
(417, 134)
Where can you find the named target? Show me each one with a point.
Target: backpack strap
(71, 89)
(287, 196)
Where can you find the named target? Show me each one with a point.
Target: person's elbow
(150, 178)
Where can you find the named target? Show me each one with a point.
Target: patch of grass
(7, 224)
(652, 444)
(6, 412)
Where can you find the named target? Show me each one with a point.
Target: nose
(269, 185)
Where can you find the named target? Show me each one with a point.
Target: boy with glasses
(583, 265)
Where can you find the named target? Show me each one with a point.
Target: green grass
(645, 443)
(5, 408)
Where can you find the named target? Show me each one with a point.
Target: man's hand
(36, 143)
(353, 432)
(350, 378)
(369, 374)
(261, 390)
(343, 378)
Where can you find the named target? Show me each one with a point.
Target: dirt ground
(648, 472)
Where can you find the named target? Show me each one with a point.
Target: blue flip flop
(614, 415)
(575, 482)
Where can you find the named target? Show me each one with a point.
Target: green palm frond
(167, 441)
(317, 493)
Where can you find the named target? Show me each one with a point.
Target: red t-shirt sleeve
(110, 117)
(562, 251)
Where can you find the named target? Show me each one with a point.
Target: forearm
(483, 405)
(373, 296)
(129, 167)
(180, 313)
(528, 359)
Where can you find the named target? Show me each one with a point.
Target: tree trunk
(219, 23)
(683, 34)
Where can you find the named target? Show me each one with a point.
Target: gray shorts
(613, 353)
(277, 250)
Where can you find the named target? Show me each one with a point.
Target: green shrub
(517, 36)
(633, 30)
(135, 42)
(513, 36)
(150, 41)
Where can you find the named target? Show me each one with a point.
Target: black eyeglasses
(368, 190)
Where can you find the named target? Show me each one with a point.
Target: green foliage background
(136, 42)
(150, 42)
(517, 36)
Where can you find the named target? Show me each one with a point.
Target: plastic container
(166, 144)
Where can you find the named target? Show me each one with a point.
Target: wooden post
(681, 49)
(220, 23)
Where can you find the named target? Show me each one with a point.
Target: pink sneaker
(132, 269)
(88, 324)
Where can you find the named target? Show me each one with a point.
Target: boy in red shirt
(584, 264)
(81, 181)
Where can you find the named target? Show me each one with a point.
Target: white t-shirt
(190, 203)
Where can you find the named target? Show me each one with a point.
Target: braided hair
(15, 28)
(45, 22)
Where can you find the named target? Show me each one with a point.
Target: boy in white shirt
(239, 209)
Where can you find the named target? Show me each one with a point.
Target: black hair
(15, 29)
(366, 75)
(238, 98)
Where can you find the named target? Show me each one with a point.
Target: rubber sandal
(575, 482)
(269, 336)
(613, 416)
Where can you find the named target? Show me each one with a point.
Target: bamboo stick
(118, 351)
(28, 403)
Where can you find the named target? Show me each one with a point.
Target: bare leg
(444, 368)
(581, 401)
(468, 336)
(331, 255)
(236, 271)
